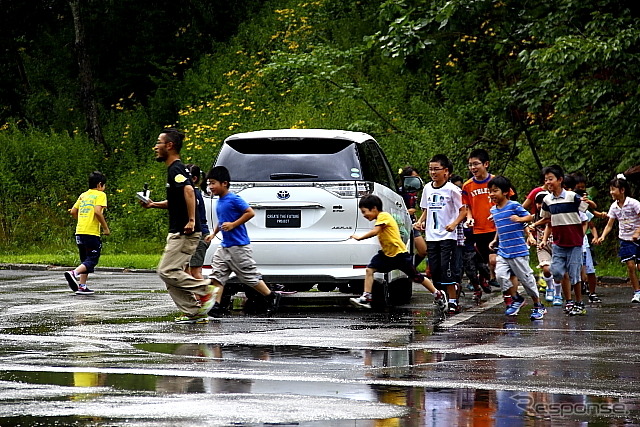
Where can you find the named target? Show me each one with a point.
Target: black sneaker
(454, 308)
(72, 279)
(84, 290)
(217, 310)
(273, 302)
(486, 287)
(594, 298)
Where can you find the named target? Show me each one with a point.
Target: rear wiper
(291, 175)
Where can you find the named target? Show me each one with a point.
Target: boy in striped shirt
(562, 207)
(513, 252)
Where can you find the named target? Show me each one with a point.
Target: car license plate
(283, 219)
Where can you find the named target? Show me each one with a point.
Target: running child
(392, 256)
(234, 255)
(513, 253)
(89, 211)
(626, 210)
(563, 208)
(553, 293)
(477, 272)
(442, 211)
(197, 259)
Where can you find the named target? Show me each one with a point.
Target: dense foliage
(535, 84)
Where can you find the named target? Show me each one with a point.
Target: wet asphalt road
(117, 359)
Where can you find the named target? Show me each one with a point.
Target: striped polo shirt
(566, 224)
(628, 217)
(510, 234)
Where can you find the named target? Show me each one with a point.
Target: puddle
(94, 398)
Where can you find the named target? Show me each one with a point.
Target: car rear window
(290, 159)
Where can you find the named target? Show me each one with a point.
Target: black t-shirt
(177, 179)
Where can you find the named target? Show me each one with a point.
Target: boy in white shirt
(442, 211)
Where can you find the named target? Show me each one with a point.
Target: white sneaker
(550, 294)
(361, 302)
(636, 297)
(440, 299)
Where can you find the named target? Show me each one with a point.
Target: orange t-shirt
(475, 194)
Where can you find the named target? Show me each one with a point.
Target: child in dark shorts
(89, 211)
(392, 256)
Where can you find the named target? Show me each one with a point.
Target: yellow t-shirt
(389, 236)
(86, 203)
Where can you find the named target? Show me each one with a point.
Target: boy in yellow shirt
(89, 211)
(392, 256)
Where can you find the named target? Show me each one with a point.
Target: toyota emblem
(283, 195)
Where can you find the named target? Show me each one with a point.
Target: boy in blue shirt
(234, 253)
(513, 252)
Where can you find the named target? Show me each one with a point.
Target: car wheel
(356, 287)
(400, 291)
(326, 287)
(380, 295)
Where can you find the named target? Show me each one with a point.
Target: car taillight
(346, 190)
(365, 188)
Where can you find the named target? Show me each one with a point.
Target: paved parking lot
(116, 358)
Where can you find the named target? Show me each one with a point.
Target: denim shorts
(587, 261)
(566, 260)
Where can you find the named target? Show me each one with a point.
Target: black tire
(356, 287)
(380, 295)
(326, 287)
(400, 291)
(344, 288)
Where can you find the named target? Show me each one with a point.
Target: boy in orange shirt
(475, 196)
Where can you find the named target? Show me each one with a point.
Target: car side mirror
(411, 184)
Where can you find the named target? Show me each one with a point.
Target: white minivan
(304, 186)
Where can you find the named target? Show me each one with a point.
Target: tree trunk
(85, 76)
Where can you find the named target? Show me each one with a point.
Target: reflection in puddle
(44, 397)
(211, 371)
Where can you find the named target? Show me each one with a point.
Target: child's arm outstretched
(607, 230)
(373, 232)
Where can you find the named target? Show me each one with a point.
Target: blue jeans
(566, 260)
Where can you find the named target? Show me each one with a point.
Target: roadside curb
(45, 267)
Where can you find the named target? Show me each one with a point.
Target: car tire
(400, 291)
(356, 287)
(380, 295)
(326, 287)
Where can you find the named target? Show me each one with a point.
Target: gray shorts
(238, 260)
(519, 267)
(197, 260)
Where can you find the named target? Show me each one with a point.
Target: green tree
(554, 79)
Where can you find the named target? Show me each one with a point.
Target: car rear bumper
(306, 262)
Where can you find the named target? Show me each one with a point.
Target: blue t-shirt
(510, 234)
(230, 207)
